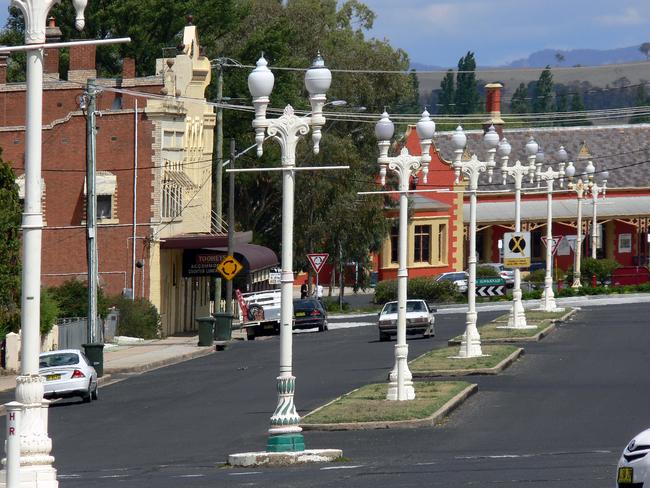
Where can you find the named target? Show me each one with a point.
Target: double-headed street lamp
(471, 341)
(517, 317)
(549, 176)
(404, 166)
(285, 431)
(584, 186)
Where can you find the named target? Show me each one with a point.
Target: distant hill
(582, 57)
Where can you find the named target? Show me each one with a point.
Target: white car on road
(458, 278)
(634, 465)
(68, 373)
(419, 319)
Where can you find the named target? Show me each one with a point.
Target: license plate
(52, 377)
(624, 475)
(269, 327)
(300, 314)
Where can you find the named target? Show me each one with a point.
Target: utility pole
(217, 178)
(231, 222)
(94, 347)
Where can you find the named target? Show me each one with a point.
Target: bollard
(14, 410)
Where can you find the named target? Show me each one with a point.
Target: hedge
(418, 288)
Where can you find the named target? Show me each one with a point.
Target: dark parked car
(309, 314)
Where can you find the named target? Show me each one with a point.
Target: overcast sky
(439, 32)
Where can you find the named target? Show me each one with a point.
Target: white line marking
(341, 467)
(245, 473)
(189, 476)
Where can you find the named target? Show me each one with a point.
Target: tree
(447, 93)
(559, 57)
(561, 104)
(577, 105)
(519, 103)
(641, 100)
(10, 268)
(543, 95)
(466, 97)
(645, 49)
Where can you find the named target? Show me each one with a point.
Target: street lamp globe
(318, 78)
(79, 7)
(384, 129)
(491, 138)
(540, 157)
(561, 154)
(570, 170)
(605, 175)
(590, 169)
(531, 147)
(504, 148)
(459, 139)
(261, 79)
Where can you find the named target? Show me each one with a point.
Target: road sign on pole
(229, 267)
(516, 253)
(317, 260)
(555, 243)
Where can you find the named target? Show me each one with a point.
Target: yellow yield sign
(229, 267)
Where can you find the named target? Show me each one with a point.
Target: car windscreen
(390, 308)
(63, 359)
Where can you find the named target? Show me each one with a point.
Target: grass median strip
(543, 323)
(369, 404)
(441, 362)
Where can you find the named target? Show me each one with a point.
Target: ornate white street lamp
(285, 431)
(404, 166)
(596, 191)
(471, 340)
(517, 317)
(549, 176)
(36, 468)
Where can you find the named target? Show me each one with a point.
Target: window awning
(180, 178)
(252, 256)
(105, 183)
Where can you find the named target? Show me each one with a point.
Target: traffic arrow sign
(490, 291)
(317, 260)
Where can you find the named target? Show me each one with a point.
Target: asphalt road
(557, 418)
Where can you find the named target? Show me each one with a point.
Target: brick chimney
(51, 61)
(4, 58)
(128, 68)
(493, 107)
(82, 63)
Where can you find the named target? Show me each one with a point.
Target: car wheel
(95, 394)
(250, 334)
(384, 337)
(322, 327)
(86, 397)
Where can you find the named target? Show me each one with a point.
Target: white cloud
(629, 16)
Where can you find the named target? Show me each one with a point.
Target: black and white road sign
(490, 291)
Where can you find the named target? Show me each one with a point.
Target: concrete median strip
(425, 372)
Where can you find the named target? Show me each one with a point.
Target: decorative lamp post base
(517, 317)
(34, 477)
(576, 283)
(470, 345)
(548, 300)
(294, 442)
(408, 393)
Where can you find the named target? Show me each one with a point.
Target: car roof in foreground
(60, 351)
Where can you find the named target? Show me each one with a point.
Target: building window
(394, 244)
(625, 243)
(422, 244)
(105, 189)
(104, 208)
(442, 243)
(172, 199)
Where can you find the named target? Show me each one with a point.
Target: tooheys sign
(201, 263)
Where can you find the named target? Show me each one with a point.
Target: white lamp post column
(517, 317)
(404, 166)
(36, 468)
(596, 191)
(579, 189)
(548, 297)
(471, 340)
(285, 431)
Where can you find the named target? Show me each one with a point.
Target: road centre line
(327, 468)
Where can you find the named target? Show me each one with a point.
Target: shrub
(532, 295)
(537, 276)
(602, 268)
(72, 297)
(50, 311)
(486, 272)
(332, 305)
(138, 318)
(418, 288)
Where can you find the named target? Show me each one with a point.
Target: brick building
(169, 141)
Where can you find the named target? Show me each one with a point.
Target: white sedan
(458, 278)
(419, 319)
(68, 373)
(634, 464)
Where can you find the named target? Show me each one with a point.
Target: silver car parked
(419, 319)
